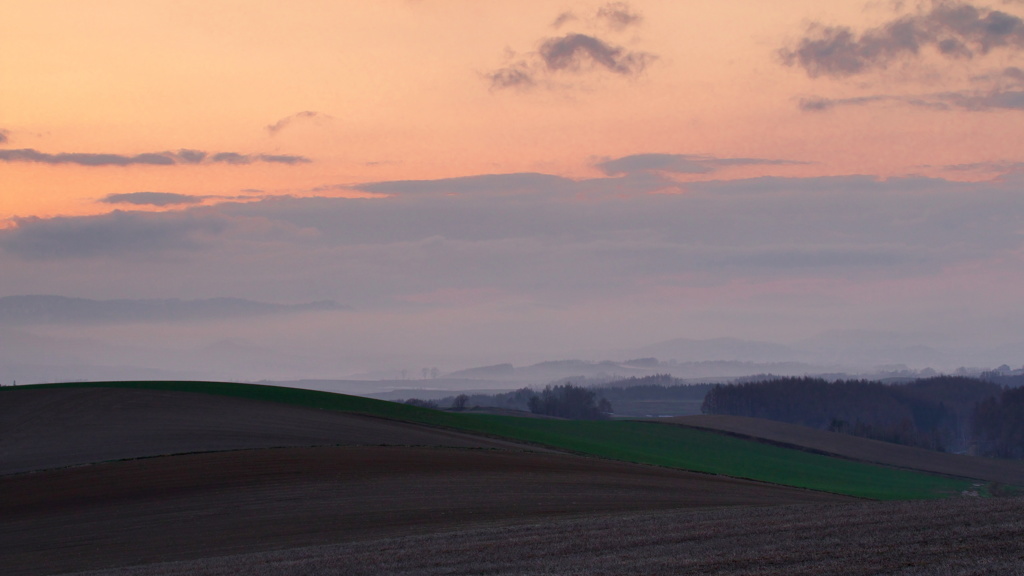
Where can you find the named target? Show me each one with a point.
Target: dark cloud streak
(183, 156)
(956, 30)
(679, 163)
(115, 234)
(576, 52)
(483, 185)
(970, 100)
(152, 199)
(304, 116)
(82, 159)
(571, 51)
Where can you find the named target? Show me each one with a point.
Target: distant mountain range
(46, 309)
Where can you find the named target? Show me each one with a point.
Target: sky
(482, 182)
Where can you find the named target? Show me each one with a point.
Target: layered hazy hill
(48, 338)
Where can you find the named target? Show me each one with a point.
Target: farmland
(639, 442)
(861, 449)
(222, 477)
(958, 537)
(199, 505)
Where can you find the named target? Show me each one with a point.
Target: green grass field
(640, 442)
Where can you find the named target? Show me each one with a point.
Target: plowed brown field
(262, 488)
(200, 505)
(948, 538)
(51, 428)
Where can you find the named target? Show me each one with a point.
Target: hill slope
(52, 427)
(862, 449)
(639, 442)
(194, 506)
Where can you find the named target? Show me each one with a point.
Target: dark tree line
(934, 413)
(1004, 380)
(629, 392)
(655, 387)
(515, 400)
(568, 401)
(562, 401)
(998, 425)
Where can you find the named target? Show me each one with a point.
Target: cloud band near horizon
(179, 158)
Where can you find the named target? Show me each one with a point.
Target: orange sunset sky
(492, 181)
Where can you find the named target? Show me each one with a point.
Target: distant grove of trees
(568, 401)
(939, 413)
(998, 425)
(562, 401)
(632, 392)
(654, 387)
(947, 413)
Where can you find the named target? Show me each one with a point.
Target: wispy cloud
(822, 104)
(85, 159)
(299, 117)
(998, 167)
(152, 199)
(235, 158)
(516, 75)
(563, 19)
(109, 235)
(618, 15)
(970, 100)
(576, 52)
(483, 185)
(4, 136)
(181, 157)
(950, 29)
(680, 163)
(48, 309)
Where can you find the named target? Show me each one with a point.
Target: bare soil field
(951, 537)
(52, 428)
(862, 449)
(196, 506)
(256, 487)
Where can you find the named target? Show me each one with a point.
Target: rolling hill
(103, 477)
(860, 449)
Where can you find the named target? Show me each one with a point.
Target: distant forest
(947, 413)
(659, 394)
(558, 400)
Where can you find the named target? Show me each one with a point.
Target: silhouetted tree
(998, 425)
(568, 401)
(931, 413)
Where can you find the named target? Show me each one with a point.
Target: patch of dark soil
(951, 537)
(52, 428)
(201, 505)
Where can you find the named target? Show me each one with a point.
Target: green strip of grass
(640, 442)
(702, 451)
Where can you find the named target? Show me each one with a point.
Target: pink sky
(699, 169)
